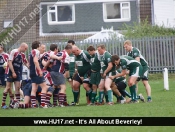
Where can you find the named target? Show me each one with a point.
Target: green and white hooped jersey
(72, 63)
(95, 62)
(82, 62)
(105, 59)
(136, 53)
(127, 62)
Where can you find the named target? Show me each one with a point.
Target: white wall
(164, 12)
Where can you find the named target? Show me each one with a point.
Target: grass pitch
(163, 105)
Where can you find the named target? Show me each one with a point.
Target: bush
(4, 34)
(145, 29)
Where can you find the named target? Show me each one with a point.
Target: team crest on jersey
(109, 59)
(102, 64)
(124, 66)
(135, 54)
(92, 59)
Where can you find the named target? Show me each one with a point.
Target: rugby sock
(17, 97)
(48, 96)
(55, 96)
(127, 93)
(149, 98)
(27, 105)
(76, 95)
(87, 98)
(106, 97)
(21, 106)
(11, 100)
(24, 105)
(11, 97)
(61, 97)
(115, 95)
(89, 95)
(43, 99)
(65, 101)
(101, 95)
(121, 97)
(4, 98)
(93, 97)
(110, 95)
(138, 97)
(33, 100)
(96, 98)
(133, 92)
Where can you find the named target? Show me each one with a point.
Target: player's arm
(26, 64)
(66, 67)
(122, 74)
(46, 61)
(136, 55)
(110, 65)
(11, 66)
(35, 61)
(45, 64)
(138, 59)
(6, 57)
(76, 71)
(127, 71)
(11, 57)
(28, 74)
(52, 56)
(76, 68)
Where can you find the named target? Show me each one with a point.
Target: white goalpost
(165, 76)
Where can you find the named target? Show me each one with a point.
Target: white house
(163, 13)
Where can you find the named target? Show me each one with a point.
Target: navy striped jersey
(58, 65)
(45, 56)
(3, 59)
(33, 70)
(18, 59)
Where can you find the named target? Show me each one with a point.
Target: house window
(61, 14)
(116, 12)
(8, 23)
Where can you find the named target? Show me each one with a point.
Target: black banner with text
(87, 121)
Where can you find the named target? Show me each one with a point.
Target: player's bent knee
(86, 86)
(76, 86)
(130, 83)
